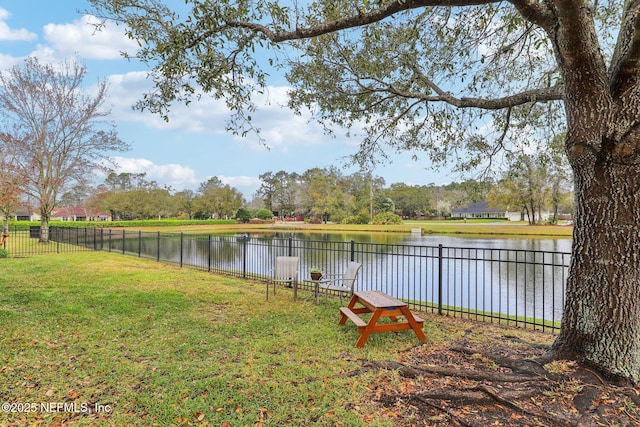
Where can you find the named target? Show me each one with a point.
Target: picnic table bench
(381, 305)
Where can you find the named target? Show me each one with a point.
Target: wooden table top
(378, 299)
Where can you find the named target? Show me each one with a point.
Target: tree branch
(500, 141)
(361, 19)
(578, 55)
(552, 93)
(626, 58)
(537, 13)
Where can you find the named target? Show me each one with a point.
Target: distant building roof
(77, 212)
(478, 207)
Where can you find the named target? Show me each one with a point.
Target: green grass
(502, 319)
(20, 243)
(150, 344)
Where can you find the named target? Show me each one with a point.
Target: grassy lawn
(110, 340)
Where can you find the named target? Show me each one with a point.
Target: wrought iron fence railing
(519, 287)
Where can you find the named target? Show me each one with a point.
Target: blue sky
(193, 146)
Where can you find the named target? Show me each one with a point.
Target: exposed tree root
(502, 381)
(452, 415)
(416, 372)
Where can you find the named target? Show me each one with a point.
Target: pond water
(547, 244)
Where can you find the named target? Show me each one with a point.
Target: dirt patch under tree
(493, 376)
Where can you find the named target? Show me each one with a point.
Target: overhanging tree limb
(536, 12)
(554, 93)
(360, 19)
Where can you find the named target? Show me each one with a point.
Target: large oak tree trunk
(601, 321)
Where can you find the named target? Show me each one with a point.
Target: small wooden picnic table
(381, 305)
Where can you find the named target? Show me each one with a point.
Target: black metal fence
(518, 287)
(25, 241)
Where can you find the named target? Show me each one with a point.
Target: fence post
(290, 246)
(209, 253)
(440, 279)
(245, 241)
(353, 250)
(181, 247)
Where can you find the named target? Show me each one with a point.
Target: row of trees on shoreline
(321, 194)
(324, 194)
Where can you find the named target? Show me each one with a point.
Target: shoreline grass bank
(500, 229)
(489, 228)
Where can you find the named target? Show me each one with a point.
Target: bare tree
(54, 132)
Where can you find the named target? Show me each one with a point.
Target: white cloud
(245, 184)
(9, 34)
(180, 177)
(8, 61)
(279, 127)
(124, 91)
(200, 117)
(177, 176)
(81, 38)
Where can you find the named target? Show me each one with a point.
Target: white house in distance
(63, 214)
(481, 210)
(24, 215)
(79, 214)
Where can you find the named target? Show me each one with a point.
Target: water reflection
(524, 243)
